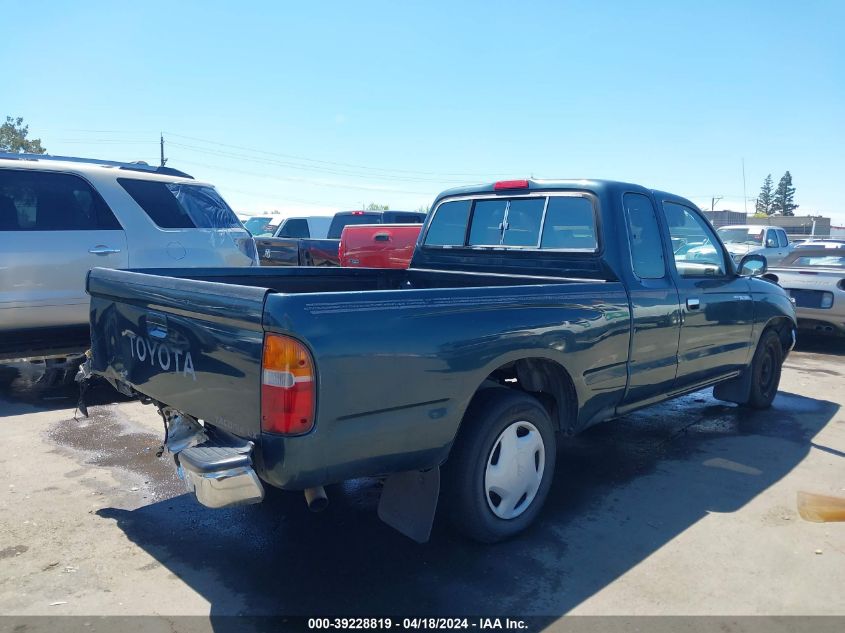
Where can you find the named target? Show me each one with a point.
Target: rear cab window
(564, 222)
(176, 205)
(295, 228)
(356, 217)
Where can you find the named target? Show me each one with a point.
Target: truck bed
(397, 351)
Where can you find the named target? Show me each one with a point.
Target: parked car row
(815, 280)
(61, 217)
(317, 248)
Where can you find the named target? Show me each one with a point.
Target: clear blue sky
(333, 105)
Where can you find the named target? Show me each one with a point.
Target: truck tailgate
(193, 345)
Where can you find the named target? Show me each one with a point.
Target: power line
(326, 162)
(307, 168)
(309, 181)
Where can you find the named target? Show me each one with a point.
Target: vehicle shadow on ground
(25, 397)
(622, 490)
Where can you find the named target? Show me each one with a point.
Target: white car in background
(60, 217)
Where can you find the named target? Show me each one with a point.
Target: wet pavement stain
(15, 550)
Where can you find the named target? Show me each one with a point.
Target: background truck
(531, 310)
(62, 216)
(277, 251)
(378, 245)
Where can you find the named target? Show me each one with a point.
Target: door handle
(103, 250)
(693, 303)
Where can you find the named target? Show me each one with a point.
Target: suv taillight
(287, 386)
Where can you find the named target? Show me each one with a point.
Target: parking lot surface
(684, 508)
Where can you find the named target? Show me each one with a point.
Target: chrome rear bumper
(217, 467)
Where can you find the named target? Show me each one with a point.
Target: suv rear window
(558, 222)
(181, 206)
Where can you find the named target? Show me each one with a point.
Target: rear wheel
(765, 371)
(500, 470)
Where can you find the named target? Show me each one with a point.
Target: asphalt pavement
(685, 508)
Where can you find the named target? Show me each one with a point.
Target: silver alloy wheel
(514, 470)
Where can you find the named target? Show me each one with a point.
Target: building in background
(795, 225)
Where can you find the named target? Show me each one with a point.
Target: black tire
(765, 371)
(467, 503)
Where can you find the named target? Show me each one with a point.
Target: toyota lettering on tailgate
(160, 355)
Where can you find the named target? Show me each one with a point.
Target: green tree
(764, 200)
(423, 209)
(783, 201)
(13, 135)
(374, 206)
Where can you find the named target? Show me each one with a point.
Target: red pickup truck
(378, 245)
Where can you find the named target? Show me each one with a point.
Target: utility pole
(163, 159)
(713, 202)
(744, 194)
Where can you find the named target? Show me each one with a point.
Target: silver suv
(60, 217)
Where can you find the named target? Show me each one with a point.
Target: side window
(644, 233)
(771, 238)
(449, 225)
(782, 239)
(158, 203)
(570, 224)
(295, 228)
(697, 252)
(46, 201)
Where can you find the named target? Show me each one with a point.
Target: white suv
(60, 217)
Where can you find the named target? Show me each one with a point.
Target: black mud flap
(408, 502)
(736, 390)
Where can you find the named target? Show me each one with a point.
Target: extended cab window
(554, 222)
(180, 205)
(45, 201)
(644, 235)
(697, 251)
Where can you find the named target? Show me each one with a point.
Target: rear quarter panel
(397, 369)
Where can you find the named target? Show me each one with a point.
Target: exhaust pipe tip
(316, 499)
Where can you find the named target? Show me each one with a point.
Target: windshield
(741, 236)
(258, 226)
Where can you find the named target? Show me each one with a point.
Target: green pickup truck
(531, 309)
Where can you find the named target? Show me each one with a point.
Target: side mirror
(752, 265)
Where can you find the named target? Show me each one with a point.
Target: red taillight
(510, 184)
(357, 213)
(287, 386)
